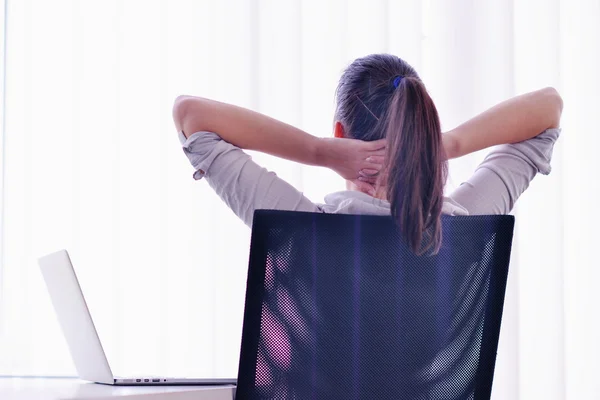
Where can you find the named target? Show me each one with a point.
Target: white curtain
(91, 163)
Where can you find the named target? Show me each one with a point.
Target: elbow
(179, 110)
(182, 107)
(555, 103)
(555, 98)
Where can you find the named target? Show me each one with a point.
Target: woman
(388, 145)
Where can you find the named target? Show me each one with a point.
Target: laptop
(79, 330)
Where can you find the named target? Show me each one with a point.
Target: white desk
(69, 389)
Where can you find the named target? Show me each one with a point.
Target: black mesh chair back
(338, 307)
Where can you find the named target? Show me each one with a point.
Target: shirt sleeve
(505, 174)
(240, 182)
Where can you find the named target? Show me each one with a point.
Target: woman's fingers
(365, 187)
(376, 144)
(380, 151)
(375, 159)
(368, 172)
(371, 166)
(364, 179)
(367, 179)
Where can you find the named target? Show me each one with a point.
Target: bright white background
(91, 163)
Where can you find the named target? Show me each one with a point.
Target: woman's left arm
(250, 130)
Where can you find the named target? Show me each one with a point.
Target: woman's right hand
(355, 160)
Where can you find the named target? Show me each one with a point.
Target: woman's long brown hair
(382, 96)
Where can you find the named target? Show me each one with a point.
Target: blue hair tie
(397, 80)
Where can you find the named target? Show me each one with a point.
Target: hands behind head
(355, 160)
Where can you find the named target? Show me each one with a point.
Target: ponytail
(417, 166)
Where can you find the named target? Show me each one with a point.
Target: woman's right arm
(514, 120)
(526, 128)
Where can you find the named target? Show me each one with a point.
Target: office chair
(338, 307)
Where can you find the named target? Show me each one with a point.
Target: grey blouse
(245, 186)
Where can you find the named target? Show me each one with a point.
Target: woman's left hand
(355, 160)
